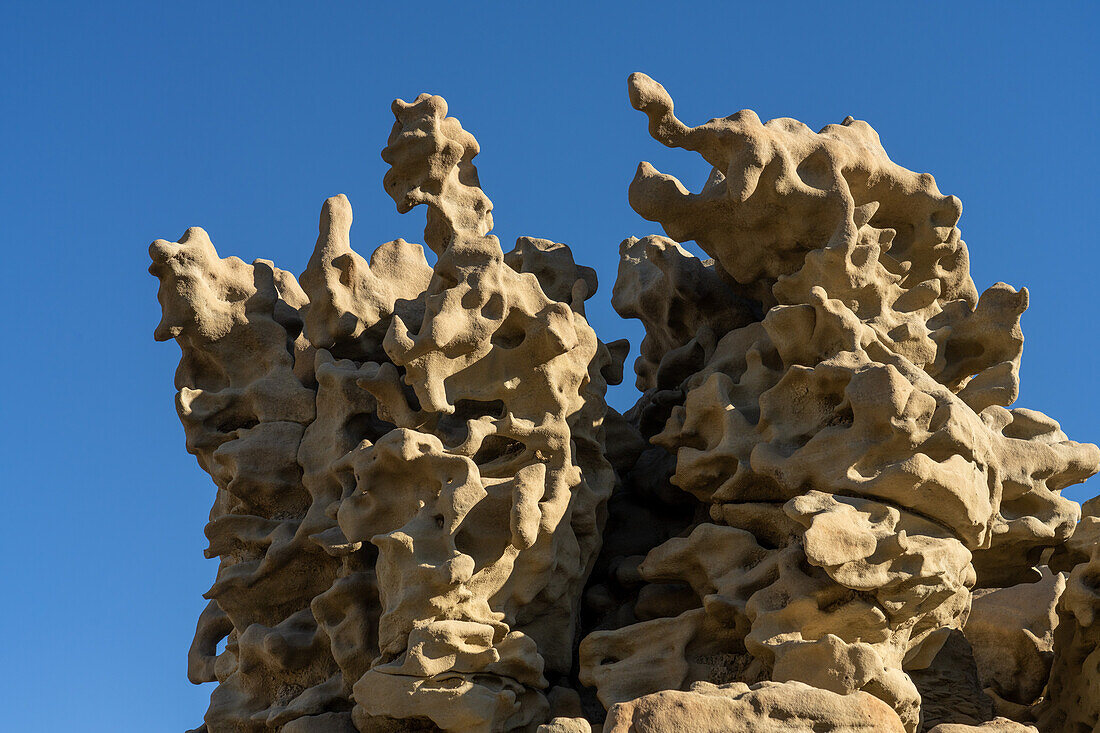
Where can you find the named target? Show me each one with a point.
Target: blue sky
(122, 123)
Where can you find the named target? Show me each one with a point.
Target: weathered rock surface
(950, 688)
(822, 514)
(767, 707)
(409, 461)
(1073, 702)
(1012, 633)
(997, 725)
(833, 393)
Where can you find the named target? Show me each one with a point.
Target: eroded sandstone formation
(822, 514)
(409, 461)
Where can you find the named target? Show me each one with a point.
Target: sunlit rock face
(409, 460)
(830, 394)
(821, 514)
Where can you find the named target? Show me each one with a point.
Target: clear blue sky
(122, 123)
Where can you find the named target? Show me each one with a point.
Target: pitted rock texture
(822, 514)
(1073, 702)
(997, 725)
(767, 706)
(409, 461)
(834, 395)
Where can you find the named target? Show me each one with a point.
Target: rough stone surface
(997, 725)
(822, 513)
(950, 689)
(1012, 633)
(409, 460)
(767, 706)
(1073, 702)
(843, 425)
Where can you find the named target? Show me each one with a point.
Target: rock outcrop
(409, 461)
(822, 514)
(1012, 633)
(834, 394)
(708, 708)
(1073, 703)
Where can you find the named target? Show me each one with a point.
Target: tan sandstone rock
(1012, 633)
(997, 725)
(844, 422)
(822, 514)
(409, 461)
(767, 707)
(1073, 693)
